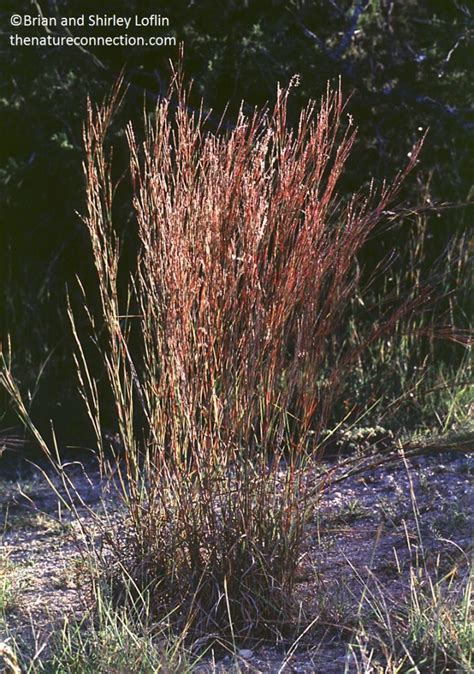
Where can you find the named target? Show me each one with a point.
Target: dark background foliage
(406, 64)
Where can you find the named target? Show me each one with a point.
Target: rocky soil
(367, 535)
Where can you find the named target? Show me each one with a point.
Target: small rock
(245, 653)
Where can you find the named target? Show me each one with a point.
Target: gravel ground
(365, 531)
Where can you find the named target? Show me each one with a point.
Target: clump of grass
(117, 640)
(428, 627)
(215, 351)
(430, 630)
(105, 639)
(245, 269)
(436, 625)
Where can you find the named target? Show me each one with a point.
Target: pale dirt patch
(364, 528)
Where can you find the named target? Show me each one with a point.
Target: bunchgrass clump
(215, 349)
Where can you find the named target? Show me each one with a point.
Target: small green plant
(430, 631)
(7, 593)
